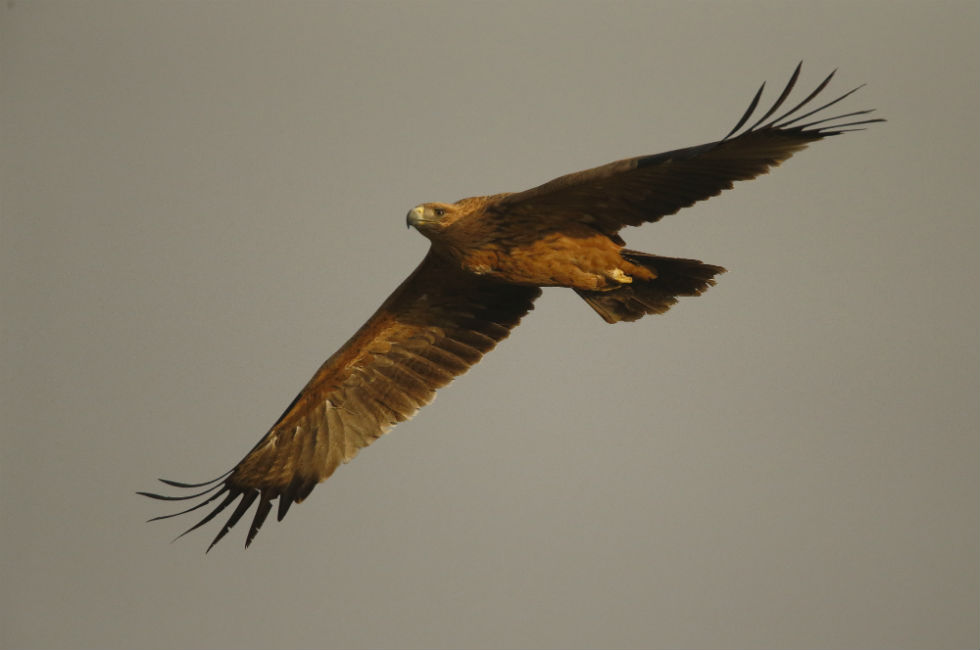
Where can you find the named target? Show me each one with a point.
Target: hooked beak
(414, 217)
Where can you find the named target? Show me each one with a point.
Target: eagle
(488, 259)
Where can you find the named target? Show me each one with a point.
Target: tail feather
(675, 277)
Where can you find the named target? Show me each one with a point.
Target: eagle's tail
(675, 277)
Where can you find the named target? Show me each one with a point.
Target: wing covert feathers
(436, 325)
(644, 189)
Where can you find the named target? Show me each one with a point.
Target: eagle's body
(488, 259)
(576, 256)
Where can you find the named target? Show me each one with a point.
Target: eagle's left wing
(438, 323)
(646, 188)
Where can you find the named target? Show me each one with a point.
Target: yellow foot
(618, 276)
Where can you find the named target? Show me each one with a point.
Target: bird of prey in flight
(488, 259)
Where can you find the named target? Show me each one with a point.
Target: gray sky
(202, 201)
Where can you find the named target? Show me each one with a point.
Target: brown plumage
(488, 259)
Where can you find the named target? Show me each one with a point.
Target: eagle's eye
(440, 212)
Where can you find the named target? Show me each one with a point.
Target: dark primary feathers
(442, 319)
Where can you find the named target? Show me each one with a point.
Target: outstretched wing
(644, 189)
(436, 325)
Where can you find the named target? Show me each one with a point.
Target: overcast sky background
(202, 201)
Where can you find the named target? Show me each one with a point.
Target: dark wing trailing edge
(437, 324)
(647, 188)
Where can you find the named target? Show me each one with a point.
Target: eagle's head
(432, 218)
